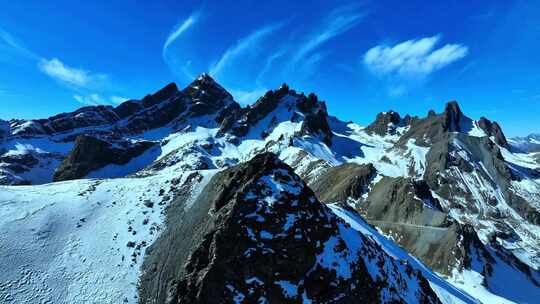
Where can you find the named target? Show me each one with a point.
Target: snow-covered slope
(529, 143)
(82, 241)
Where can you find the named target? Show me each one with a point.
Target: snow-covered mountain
(186, 197)
(529, 143)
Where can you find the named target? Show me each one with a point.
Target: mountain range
(185, 196)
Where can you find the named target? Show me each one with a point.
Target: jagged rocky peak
(207, 95)
(452, 117)
(170, 90)
(493, 129)
(259, 235)
(434, 127)
(283, 104)
(387, 123)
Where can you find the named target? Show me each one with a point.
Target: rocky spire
(493, 129)
(385, 123)
(207, 96)
(452, 117)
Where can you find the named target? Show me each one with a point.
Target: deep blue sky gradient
(252, 46)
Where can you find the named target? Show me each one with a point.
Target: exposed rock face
(309, 109)
(452, 117)
(493, 129)
(387, 123)
(429, 130)
(316, 123)
(446, 159)
(406, 210)
(257, 233)
(403, 200)
(207, 96)
(91, 153)
(167, 92)
(338, 184)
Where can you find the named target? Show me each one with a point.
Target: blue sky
(360, 57)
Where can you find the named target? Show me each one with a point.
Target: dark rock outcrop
(386, 123)
(309, 109)
(167, 92)
(403, 200)
(90, 153)
(493, 129)
(257, 233)
(207, 96)
(338, 184)
(406, 210)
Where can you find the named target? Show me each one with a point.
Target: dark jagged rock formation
(403, 200)
(493, 129)
(202, 97)
(406, 209)
(207, 96)
(429, 130)
(452, 117)
(434, 127)
(169, 91)
(257, 233)
(309, 109)
(338, 184)
(386, 123)
(316, 123)
(91, 153)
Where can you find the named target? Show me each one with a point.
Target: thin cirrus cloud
(413, 58)
(179, 29)
(12, 44)
(95, 99)
(243, 45)
(338, 22)
(90, 100)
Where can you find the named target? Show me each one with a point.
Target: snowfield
(80, 241)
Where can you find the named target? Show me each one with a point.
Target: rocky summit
(185, 196)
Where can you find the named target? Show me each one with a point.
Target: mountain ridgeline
(275, 202)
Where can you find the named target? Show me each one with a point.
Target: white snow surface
(69, 242)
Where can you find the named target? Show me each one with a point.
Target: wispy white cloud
(269, 63)
(413, 58)
(57, 70)
(95, 99)
(179, 29)
(338, 21)
(245, 44)
(90, 100)
(13, 44)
